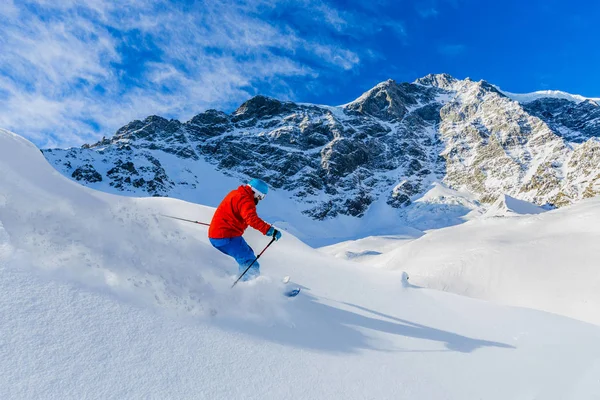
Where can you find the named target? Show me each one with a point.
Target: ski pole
(252, 263)
(186, 220)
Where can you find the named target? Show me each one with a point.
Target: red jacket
(234, 214)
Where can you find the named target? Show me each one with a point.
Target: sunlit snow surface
(515, 254)
(102, 298)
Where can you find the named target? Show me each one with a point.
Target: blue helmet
(259, 187)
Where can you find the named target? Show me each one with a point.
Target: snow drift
(547, 261)
(507, 206)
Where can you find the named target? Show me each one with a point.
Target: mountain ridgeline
(390, 146)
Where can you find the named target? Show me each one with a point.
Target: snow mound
(547, 261)
(120, 245)
(507, 206)
(440, 207)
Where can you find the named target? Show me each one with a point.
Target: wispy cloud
(433, 8)
(74, 70)
(428, 12)
(427, 8)
(452, 49)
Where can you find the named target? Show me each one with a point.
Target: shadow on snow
(327, 328)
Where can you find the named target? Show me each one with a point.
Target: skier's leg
(221, 244)
(244, 255)
(237, 248)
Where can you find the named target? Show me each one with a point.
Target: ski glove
(274, 232)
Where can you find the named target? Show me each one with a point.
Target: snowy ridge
(100, 298)
(544, 94)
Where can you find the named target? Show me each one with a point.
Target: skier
(236, 212)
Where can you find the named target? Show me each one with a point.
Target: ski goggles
(258, 195)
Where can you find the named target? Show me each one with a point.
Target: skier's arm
(248, 212)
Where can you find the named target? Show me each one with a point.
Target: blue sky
(72, 71)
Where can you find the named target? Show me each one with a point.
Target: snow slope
(547, 261)
(100, 298)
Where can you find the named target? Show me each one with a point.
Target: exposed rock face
(576, 122)
(393, 142)
(87, 174)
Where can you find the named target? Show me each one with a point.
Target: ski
(292, 293)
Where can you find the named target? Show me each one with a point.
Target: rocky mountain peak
(208, 124)
(261, 106)
(148, 129)
(442, 81)
(476, 91)
(388, 100)
(488, 87)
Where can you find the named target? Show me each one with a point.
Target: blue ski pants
(237, 248)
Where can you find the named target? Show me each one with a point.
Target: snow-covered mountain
(422, 154)
(100, 298)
